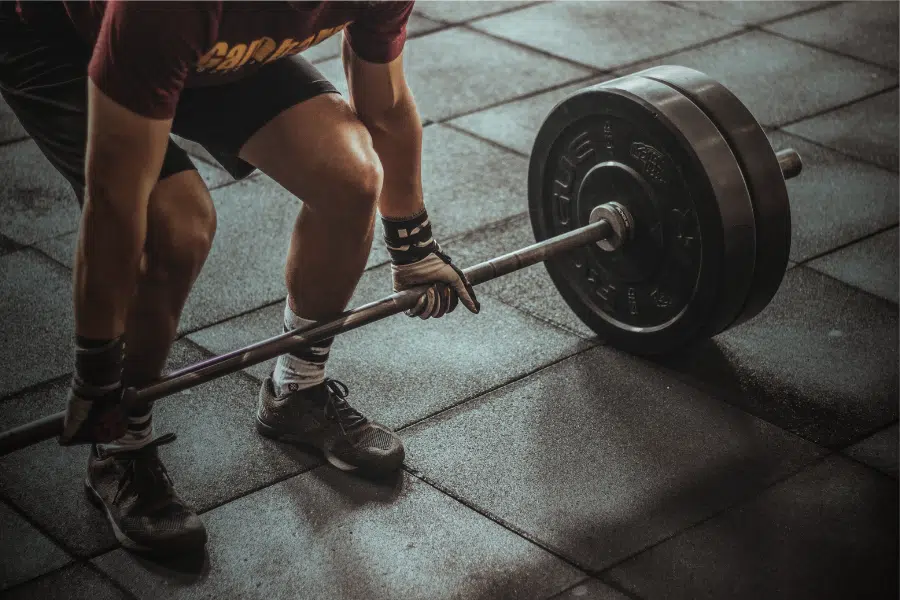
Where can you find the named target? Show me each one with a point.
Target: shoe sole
(274, 434)
(126, 542)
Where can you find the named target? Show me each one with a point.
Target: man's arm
(384, 103)
(124, 157)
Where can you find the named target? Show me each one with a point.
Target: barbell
(659, 209)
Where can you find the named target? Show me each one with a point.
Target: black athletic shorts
(43, 78)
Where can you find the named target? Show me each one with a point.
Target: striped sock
(302, 368)
(140, 432)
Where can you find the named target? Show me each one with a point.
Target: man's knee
(358, 186)
(181, 228)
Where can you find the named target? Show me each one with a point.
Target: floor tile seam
(805, 262)
(481, 138)
(745, 500)
(595, 341)
(89, 563)
(620, 70)
(534, 50)
(496, 519)
(861, 159)
(480, 395)
(441, 26)
(35, 387)
(501, 12)
(854, 287)
(762, 28)
(515, 530)
(798, 13)
(867, 466)
(780, 127)
(14, 140)
(255, 490)
(714, 392)
(519, 98)
(37, 578)
(59, 543)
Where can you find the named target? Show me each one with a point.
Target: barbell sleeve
(51, 426)
(790, 163)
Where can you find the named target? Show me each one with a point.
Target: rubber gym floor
(540, 464)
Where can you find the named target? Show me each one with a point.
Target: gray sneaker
(136, 492)
(320, 417)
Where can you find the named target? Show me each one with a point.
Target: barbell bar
(613, 225)
(51, 426)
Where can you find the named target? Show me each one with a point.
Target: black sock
(98, 364)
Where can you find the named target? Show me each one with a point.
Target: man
(100, 86)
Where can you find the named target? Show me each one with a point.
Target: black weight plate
(642, 143)
(762, 173)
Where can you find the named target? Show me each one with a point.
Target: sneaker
(320, 417)
(135, 490)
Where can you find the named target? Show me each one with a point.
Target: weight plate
(645, 145)
(768, 192)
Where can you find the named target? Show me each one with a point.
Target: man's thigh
(223, 118)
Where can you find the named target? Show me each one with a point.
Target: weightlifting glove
(417, 259)
(94, 409)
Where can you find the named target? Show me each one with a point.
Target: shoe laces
(144, 473)
(338, 409)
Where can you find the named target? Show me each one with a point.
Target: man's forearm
(397, 137)
(110, 245)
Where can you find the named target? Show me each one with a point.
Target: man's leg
(319, 151)
(287, 120)
(181, 224)
(44, 82)
(127, 478)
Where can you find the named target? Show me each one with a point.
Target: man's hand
(93, 418)
(417, 259)
(450, 285)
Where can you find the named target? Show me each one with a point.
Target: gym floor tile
(878, 450)
(36, 202)
(601, 455)
(819, 361)
(36, 336)
(331, 48)
(866, 30)
(590, 589)
(605, 34)
(10, 129)
(328, 535)
(515, 124)
(870, 264)
(77, 582)
(26, 552)
(829, 532)
(401, 369)
(529, 289)
(779, 80)
(752, 12)
(458, 11)
(457, 71)
(835, 200)
(217, 456)
(866, 129)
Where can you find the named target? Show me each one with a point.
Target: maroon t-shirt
(145, 53)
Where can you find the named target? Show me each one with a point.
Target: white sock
(303, 368)
(140, 432)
